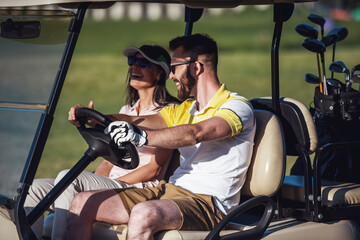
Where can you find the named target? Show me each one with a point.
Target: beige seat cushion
(332, 193)
(266, 171)
(310, 125)
(106, 231)
(298, 230)
(7, 229)
(278, 230)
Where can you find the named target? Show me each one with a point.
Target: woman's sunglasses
(143, 62)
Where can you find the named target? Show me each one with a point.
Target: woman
(146, 94)
(149, 68)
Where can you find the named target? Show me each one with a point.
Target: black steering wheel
(101, 145)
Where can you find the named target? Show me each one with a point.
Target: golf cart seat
(332, 193)
(301, 140)
(264, 178)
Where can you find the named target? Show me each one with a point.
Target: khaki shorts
(198, 210)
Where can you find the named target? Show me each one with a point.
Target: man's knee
(145, 214)
(143, 211)
(79, 202)
(142, 221)
(149, 217)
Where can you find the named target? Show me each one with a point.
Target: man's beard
(187, 82)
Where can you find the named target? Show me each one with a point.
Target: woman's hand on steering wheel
(100, 144)
(72, 118)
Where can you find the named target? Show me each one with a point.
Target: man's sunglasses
(173, 65)
(143, 62)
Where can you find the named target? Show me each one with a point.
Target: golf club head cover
(121, 131)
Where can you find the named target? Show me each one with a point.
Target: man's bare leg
(91, 206)
(149, 217)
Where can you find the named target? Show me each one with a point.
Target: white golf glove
(121, 131)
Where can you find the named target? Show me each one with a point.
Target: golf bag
(337, 119)
(345, 106)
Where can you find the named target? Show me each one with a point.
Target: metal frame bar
(191, 15)
(23, 106)
(21, 220)
(282, 13)
(275, 66)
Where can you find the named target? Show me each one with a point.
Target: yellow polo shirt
(176, 115)
(217, 167)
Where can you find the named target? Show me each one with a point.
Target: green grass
(98, 69)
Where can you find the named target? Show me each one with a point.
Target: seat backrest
(309, 122)
(297, 122)
(267, 169)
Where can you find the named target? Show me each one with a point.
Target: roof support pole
(282, 13)
(23, 224)
(191, 16)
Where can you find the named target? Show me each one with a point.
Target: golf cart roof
(189, 3)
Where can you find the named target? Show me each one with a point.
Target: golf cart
(273, 206)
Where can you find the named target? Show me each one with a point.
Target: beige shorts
(198, 210)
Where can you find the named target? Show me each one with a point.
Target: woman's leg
(86, 181)
(37, 191)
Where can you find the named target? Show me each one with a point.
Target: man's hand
(121, 131)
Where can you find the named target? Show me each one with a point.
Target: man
(213, 130)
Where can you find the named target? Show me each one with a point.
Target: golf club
(330, 39)
(309, 31)
(311, 78)
(355, 77)
(314, 45)
(319, 21)
(335, 84)
(342, 33)
(340, 67)
(355, 68)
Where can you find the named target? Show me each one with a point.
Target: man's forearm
(172, 138)
(189, 134)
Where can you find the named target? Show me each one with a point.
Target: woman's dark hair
(160, 96)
